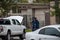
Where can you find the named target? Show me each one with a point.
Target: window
(59, 28)
(42, 31)
(13, 21)
(16, 10)
(4, 22)
(24, 6)
(50, 31)
(19, 10)
(13, 9)
(17, 22)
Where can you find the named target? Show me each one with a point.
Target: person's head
(34, 18)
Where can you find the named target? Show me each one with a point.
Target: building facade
(54, 19)
(40, 11)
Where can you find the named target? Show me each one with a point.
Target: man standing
(35, 24)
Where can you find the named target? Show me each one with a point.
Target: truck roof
(19, 18)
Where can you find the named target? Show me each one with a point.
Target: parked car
(11, 26)
(51, 32)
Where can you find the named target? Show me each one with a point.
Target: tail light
(1, 28)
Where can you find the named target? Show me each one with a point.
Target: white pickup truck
(11, 26)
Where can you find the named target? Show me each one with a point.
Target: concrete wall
(52, 20)
(39, 13)
(40, 16)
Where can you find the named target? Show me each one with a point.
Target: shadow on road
(13, 38)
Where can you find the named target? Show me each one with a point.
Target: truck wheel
(24, 32)
(21, 38)
(23, 35)
(3, 38)
(9, 36)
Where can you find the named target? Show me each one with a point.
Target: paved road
(14, 38)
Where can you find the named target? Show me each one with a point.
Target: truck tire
(21, 38)
(8, 35)
(23, 35)
(3, 38)
(24, 32)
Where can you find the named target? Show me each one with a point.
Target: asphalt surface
(13, 38)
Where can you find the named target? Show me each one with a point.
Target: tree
(24, 1)
(57, 11)
(43, 1)
(5, 6)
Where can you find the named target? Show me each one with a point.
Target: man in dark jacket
(35, 24)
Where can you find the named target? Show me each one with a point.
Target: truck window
(17, 22)
(5, 22)
(13, 21)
